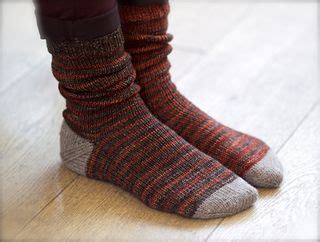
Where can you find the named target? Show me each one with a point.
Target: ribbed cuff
(106, 44)
(141, 2)
(145, 14)
(89, 28)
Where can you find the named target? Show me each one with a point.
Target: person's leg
(74, 9)
(145, 29)
(81, 19)
(109, 134)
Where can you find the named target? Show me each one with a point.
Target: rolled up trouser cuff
(88, 28)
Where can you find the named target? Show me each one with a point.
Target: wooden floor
(251, 64)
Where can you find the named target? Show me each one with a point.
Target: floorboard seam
(212, 232)
(42, 209)
(299, 124)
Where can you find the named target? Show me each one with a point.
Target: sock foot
(230, 199)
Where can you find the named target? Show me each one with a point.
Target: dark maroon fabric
(76, 19)
(73, 9)
(80, 19)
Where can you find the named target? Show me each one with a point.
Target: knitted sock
(109, 134)
(146, 39)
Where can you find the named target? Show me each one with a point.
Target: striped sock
(146, 39)
(109, 134)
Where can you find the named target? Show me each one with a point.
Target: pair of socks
(126, 123)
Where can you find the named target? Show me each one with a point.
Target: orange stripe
(242, 153)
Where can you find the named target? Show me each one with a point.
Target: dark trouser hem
(88, 28)
(142, 2)
(73, 9)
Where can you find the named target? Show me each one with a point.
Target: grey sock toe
(266, 173)
(228, 200)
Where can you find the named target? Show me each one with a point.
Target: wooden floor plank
(199, 25)
(182, 62)
(31, 168)
(94, 210)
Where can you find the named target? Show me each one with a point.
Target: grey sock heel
(74, 150)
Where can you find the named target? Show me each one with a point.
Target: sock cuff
(142, 2)
(96, 77)
(88, 28)
(143, 13)
(105, 45)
